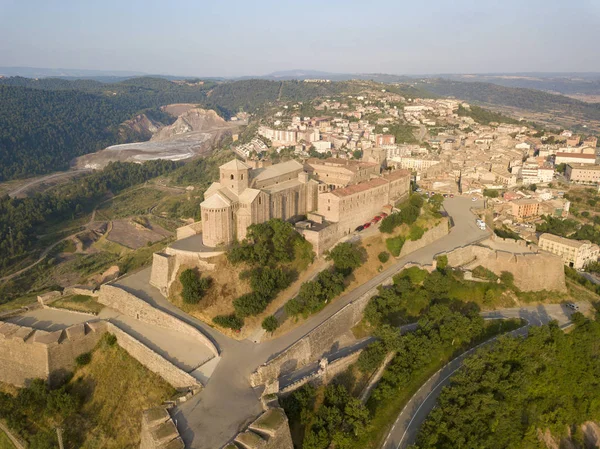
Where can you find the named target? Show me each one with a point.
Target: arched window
(259, 200)
(231, 176)
(242, 176)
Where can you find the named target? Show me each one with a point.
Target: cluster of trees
(193, 286)
(403, 132)
(269, 249)
(338, 420)
(314, 295)
(572, 229)
(441, 329)
(36, 410)
(20, 218)
(506, 393)
(484, 116)
(409, 212)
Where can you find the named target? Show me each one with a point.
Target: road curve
(404, 431)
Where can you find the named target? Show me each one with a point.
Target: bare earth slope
(194, 133)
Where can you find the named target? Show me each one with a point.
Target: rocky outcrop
(195, 119)
(138, 128)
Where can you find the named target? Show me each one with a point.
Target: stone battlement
(28, 353)
(270, 431)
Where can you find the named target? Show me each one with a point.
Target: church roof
(278, 169)
(235, 164)
(248, 195)
(215, 201)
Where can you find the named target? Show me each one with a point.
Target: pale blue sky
(233, 38)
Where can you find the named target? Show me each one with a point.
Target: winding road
(228, 403)
(405, 429)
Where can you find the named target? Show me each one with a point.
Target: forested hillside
(529, 99)
(46, 123)
(506, 395)
(42, 129)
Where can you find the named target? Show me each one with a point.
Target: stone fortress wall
(310, 347)
(166, 265)
(130, 305)
(271, 430)
(325, 372)
(532, 271)
(28, 353)
(159, 430)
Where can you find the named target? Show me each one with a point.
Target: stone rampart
(153, 361)
(321, 338)
(130, 305)
(430, 236)
(189, 230)
(325, 372)
(159, 430)
(531, 271)
(270, 431)
(166, 265)
(315, 343)
(28, 353)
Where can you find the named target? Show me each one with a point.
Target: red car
(366, 225)
(376, 219)
(383, 215)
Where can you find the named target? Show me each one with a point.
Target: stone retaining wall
(531, 271)
(271, 430)
(322, 337)
(430, 236)
(159, 430)
(153, 361)
(130, 305)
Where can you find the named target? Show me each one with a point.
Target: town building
(525, 208)
(582, 173)
(574, 158)
(574, 253)
(336, 173)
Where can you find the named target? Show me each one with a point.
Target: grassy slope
(116, 389)
(5, 443)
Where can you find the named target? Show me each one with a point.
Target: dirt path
(22, 190)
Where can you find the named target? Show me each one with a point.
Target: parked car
(572, 306)
(359, 228)
(376, 219)
(474, 199)
(452, 195)
(383, 215)
(366, 225)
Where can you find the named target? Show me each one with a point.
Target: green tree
(383, 256)
(436, 201)
(270, 324)
(194, 287)
(346, 257)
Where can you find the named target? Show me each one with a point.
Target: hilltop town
(300, 285)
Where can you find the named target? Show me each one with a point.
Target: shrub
(194, 287)
(110, 339)
(83, 359)
(416, 275)
(442, 262)
(383, 256)
(483, 273)
(270, 323)
(415, 233)
(269, 281)
(229, 321)
(250, 304)
(490, 193)
(416, 200)
(394, 245)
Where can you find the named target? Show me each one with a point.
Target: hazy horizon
(257, 38)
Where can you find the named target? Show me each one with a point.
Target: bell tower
(234, 176)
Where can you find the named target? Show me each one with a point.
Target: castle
(337, 195)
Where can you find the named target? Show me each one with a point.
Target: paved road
(22, 190)
(228, 402)
(405, 429)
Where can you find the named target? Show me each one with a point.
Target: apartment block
(574, 253)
